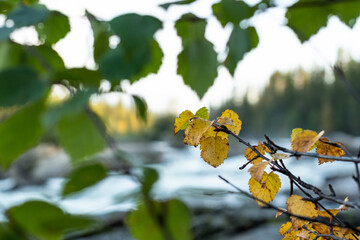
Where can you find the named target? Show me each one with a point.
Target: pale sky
(279, 49)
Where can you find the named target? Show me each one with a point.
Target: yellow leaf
(195, 130)
(235, 119)
(291, 236)
(250, 154)
(323, 213)
(296, 205)
(305, 140)
(257, 170)
(326, 149)
(320, 228)
(225, 121)
(285, 227)
(267, 189)
(182, 121)
(214, 150)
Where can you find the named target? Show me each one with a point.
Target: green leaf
(232, 11)
(306, 19)
(20, 132)
(202, 113)
(197, 64)
(10, 54)
(181, 2)
(190, 28)
(144, 223)
(84, 177)
(124, 63)
(101, 35)
(45, 221)
(8, 233)
(28, 15)
(150, 176)
(54, 28)
(134, 30)
(49, 55)
(141, 107)
(77, 103)
(241, 41)
(5, 32)
(138, 54)
(80, 76)
(347, 11)
(79, 136)
(20, 85)
(5, 6)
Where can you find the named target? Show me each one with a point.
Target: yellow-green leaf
(202, 113)
(182, 121)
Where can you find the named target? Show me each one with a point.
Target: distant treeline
(301, 99)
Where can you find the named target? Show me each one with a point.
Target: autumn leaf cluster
(265, 183)
(199, 130)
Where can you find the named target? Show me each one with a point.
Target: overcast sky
(279, 49)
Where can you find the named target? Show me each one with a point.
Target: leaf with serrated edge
(257, 170)
(202, 113)
(182, 120)
(285, 227)
(305, 140)
(214, 150)
(267, 189)
(236, 121)
(326, 149)
(296, 205)
(250, 154)
(195, 130)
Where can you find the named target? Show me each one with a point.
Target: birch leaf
(305, 140)
(296, 205)
(267, 189)
(214, 150)
(324, 148)
(257, 170)
(195, 130)
(182, 121)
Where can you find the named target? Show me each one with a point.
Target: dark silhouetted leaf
(77, 103)
(241, 41)
(141, 107)
(20, 132)
(20, 85)
(182, 2)
(101, 35)
(84, 177)
(232, 11)
(28, 15)
(197, 63)
(79, 136)
(46, 221)
(54, 28)
(80, 76)
(124, 63)
(134, 29)
(150, 176)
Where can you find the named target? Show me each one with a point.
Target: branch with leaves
(307, 212)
